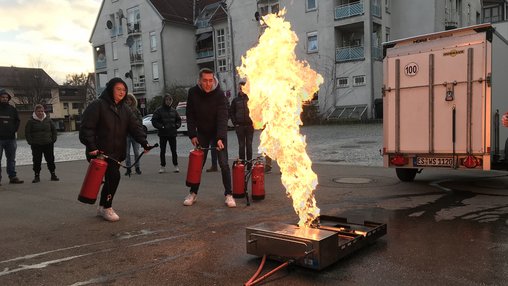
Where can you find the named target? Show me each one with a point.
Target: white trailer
(443, 97)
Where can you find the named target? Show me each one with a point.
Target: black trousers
(222, 156)
(172, 145)
(49, 155)
(111, 182)
(244, 133)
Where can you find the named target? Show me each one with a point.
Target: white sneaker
(177, 170)
(100, 210)
(162, 170)
(190, 199)
(230, 201)
(109, 214)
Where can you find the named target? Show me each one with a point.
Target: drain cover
(352, 180)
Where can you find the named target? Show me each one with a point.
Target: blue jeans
(9, 145)
(135, 148)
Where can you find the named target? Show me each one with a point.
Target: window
(116, 73)
(221, 42)
(492, 14)
(133, 20)
(387, 34)
(66, 105)
(153, 42)
(268, 7)
(77, 105)
(221, 64)
(387, 6)
(342, 82)
(358, 80)
(311, 5)
(155, 71)
(312, 42)
(114, 46)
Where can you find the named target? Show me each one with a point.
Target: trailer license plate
(433, 162)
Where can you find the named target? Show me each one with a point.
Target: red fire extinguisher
(196, 158)
(93, 180)
(238, 179)
(258, 181)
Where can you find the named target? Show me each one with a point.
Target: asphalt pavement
(446, 228)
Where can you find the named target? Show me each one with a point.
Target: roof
(14, 77)
(180, 11)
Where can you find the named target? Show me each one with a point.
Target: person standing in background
(167, 120)
(243, 124)
(40, 133)
(132, 102)
(9, 124)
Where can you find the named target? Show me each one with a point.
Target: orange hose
(285, 264)
(248, 283)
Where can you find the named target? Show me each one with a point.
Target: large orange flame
(277, 85)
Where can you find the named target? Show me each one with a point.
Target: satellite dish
(109, 24)
(130, 41)
(257, 16)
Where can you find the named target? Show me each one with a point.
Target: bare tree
(37, 86)
(76, 79)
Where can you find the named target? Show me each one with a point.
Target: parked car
(147, 124)
(181, 108)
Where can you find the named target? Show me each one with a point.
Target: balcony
(133, 28)
(451, 19)
(344, 54)
(202, 24)
(100, 64)
(136, 58)
(204, 54)
(377, 53)
(139, 87)
(349, 10)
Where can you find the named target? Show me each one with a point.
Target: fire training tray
(317, 247)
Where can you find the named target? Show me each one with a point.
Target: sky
(50, 34)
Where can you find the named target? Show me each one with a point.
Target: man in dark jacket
(167, 121)
(243, 124)
(104, 128)
(207, 119)
(9, 124)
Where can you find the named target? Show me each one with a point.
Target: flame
(277, 85)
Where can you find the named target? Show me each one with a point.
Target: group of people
(112, 124)
(40, 133)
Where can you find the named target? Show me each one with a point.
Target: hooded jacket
(40, 131)
(105, 125)
(166, 120)
(9, 119)
(207, 113)
(240, 111)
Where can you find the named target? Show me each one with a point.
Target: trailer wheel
(405, 174)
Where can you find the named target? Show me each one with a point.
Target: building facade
(155, 44)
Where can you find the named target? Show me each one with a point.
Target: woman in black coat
(104, 128)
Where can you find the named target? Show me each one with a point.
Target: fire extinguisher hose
(135, 162)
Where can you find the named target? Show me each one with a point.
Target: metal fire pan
(328, 240)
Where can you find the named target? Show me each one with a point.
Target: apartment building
(152, 44)
(155, 43)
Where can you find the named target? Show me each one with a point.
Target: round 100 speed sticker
(411, 69)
